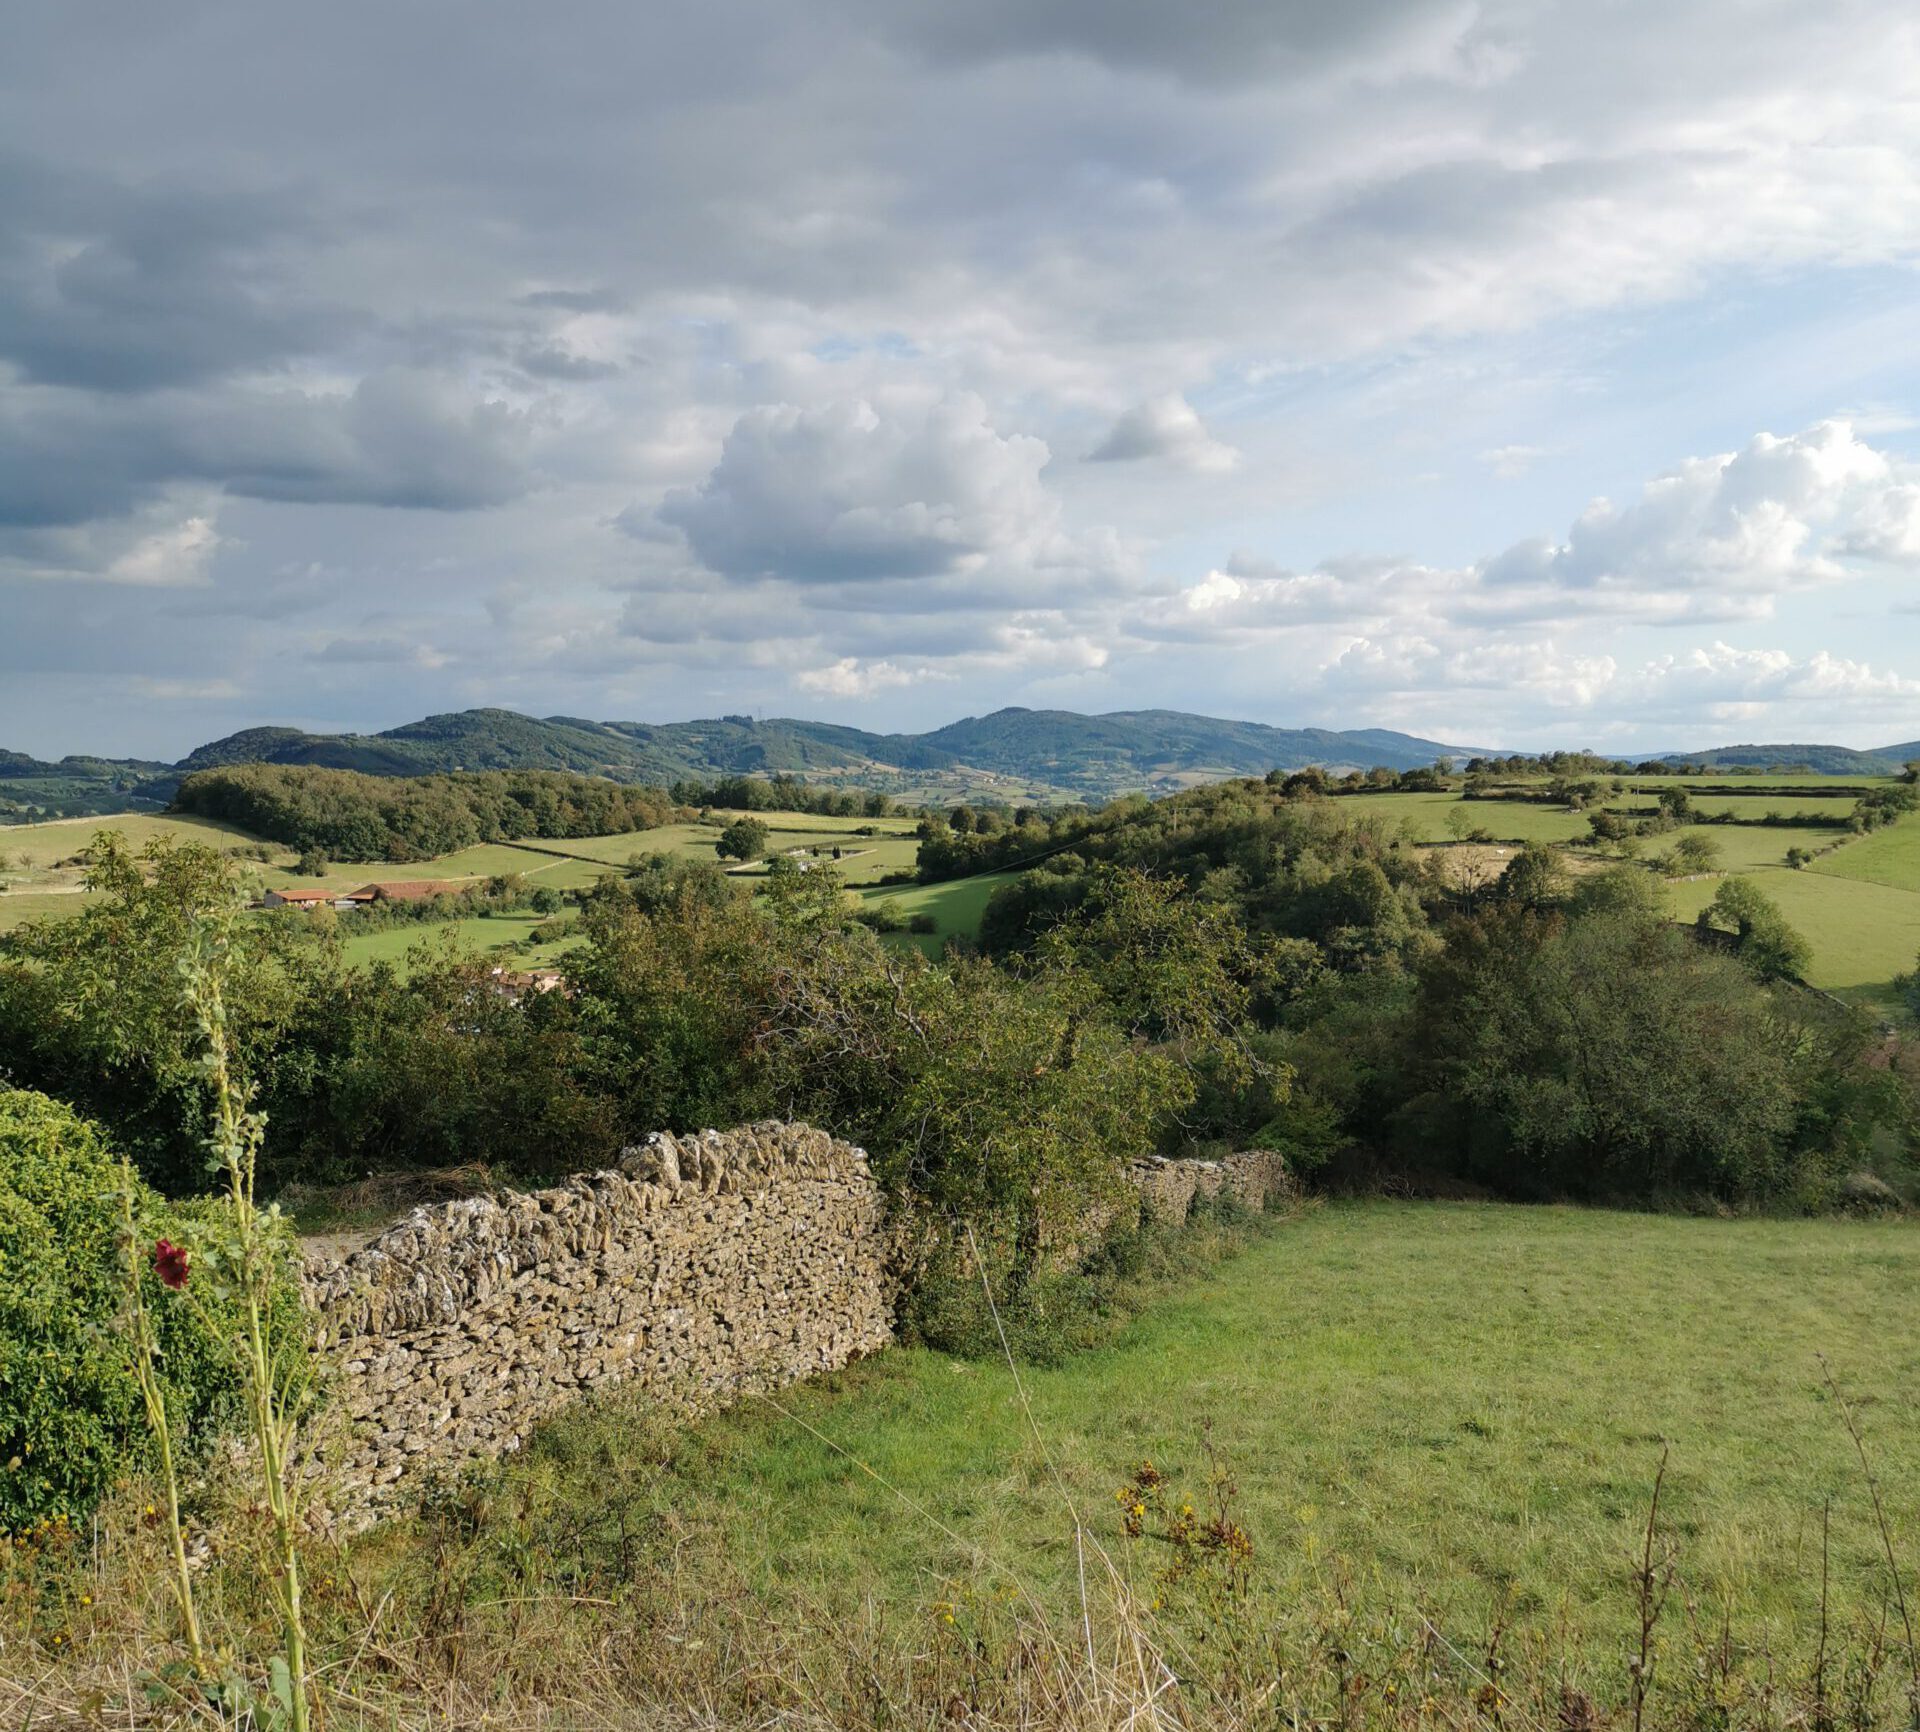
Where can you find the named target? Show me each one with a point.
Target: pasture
(956, 907)
(1862, 933)
(505, 938)
(1444, 1411)
(1890, 856)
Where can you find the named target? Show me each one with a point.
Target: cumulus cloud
(1746, 521)
(1716, 538)
(170, 557)
(847, 494)
(1166, 428)
(849, 677)
(379, 651)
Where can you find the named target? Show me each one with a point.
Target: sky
(1515, 373)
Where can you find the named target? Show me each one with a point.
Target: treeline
(345, 815)
(780, 793)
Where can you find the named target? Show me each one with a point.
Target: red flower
(170, 1263)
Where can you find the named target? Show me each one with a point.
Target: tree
(1676, 805)
(91, 1010)
(546, 900)
(1767, 945)
(743, 839)
(313, 863)
(1693, 853)
(1177, 971)
(1798, 858)
(1603, 1054)
(1535, 878)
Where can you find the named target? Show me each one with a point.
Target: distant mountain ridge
(1060, 749)
(1826, 760)
(1012, 753)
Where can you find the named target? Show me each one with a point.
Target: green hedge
(71, 1419)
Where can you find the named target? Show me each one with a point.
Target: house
(300, 896)
(405, 890)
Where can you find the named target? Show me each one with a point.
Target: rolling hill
(1823, 760)
(1014, 753)
(1053, 749)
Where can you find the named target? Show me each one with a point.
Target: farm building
(407, 890)
(301, 896)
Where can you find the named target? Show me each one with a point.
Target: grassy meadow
(956, 907)
(1432, 1416)
(510, 935)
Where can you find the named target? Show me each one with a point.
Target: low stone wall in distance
(703, 1267)
(1256, 1179)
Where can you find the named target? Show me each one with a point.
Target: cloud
(1510, 462)
(187, 691)
(851, 678)
(108, 287)
(378, 651)
(809, 293)
(172, 557)
(1165, 428)
(1745, 521)
(1714, 539)
(847, 494)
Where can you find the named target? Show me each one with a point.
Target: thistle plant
(171, 1265)
(273, 1371)
(234, 1281)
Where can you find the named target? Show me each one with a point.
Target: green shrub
(71, 1420)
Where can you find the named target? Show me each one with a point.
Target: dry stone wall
(1256, 1179)
(701, 1268)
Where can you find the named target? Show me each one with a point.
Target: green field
(956, 907)
(1862, 934)
(1744, 847)
(43, 846)
(510, 934)
(1453, 1410)
(17, 907)
(1890, 856)
(1424, 816)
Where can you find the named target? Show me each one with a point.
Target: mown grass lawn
(1454, 1409)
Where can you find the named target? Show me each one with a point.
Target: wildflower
(170, 1264)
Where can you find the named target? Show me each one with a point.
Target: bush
(71, 1420)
